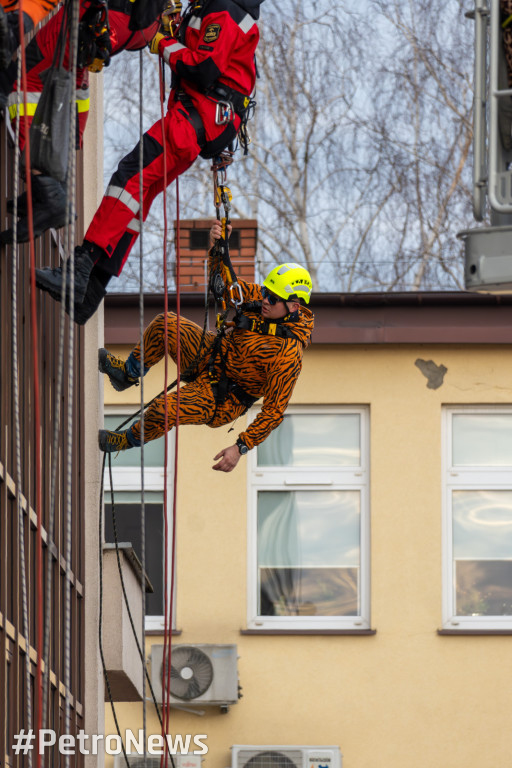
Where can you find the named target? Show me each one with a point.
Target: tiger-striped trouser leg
(116, 224)
(197, 403)
(153, 339)
(197, 406)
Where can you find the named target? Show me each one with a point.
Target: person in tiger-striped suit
(261, 357)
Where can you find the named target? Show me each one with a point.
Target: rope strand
(37, 399)
(141, 332)
(73, 49)
(17, 426)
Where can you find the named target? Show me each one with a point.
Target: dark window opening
(128, 530)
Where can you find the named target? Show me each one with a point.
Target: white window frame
(316, 479)
(125, 479)
(466, 478)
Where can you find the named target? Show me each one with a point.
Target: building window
(126, 476)
(477, 513)
(309, 522)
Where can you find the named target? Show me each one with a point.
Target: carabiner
(224, 113)
(240, 300)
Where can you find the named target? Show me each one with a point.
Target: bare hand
(216, 231)
(229, 458)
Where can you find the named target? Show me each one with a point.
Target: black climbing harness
(229, 103)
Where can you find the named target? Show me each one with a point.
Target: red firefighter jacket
(216, 43)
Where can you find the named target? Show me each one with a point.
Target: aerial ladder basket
(488, 249)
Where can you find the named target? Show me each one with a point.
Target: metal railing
(17, 488)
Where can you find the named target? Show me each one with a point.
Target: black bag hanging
(49, 132)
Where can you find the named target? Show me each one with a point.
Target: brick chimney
(194, 248)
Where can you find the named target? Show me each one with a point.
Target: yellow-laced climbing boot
(115, 369)
(112, 442)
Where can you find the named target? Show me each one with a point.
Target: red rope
(166, 651)
(168, 598)
(176, 434)
(37, 403)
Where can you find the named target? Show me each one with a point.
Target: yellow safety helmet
(290, 281)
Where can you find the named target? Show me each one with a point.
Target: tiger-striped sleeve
(282, 376)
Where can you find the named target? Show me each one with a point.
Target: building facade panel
(410, 692)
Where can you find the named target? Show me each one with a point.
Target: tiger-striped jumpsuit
(262, 365)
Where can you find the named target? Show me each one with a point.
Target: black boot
(50, 278)
(115, 369)
(22, 205)
(94, 296)
(49, 204)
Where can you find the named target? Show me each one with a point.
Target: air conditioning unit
(205, 674)
(275, 756)
(154, 761)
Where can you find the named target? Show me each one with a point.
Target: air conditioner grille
(191, 672)
(151, 762)
(180, 760)
(270, 759)
(203, 673)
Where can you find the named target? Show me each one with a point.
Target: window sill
(448, 632)
(150, 632)
(363, 632)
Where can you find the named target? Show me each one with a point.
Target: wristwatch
(242, 448)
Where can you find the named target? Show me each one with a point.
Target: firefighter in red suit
(48, 194)
(213, 66)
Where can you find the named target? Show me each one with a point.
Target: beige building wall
(405, 696)
(93, 393)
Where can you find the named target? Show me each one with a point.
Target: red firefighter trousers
(116, 225)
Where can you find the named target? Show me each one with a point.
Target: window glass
(128, 528)
(308, 553)
(313, 440)
(482, 552)
(153, 451)
(482, 439)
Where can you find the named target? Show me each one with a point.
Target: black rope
(100, 618)
(125, 597)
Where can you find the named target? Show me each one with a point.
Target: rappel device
(94, 43)
(223, 197)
